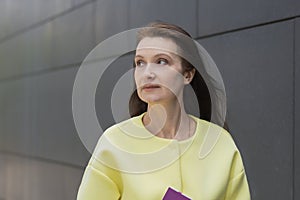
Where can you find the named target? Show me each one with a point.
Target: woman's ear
(188, 76)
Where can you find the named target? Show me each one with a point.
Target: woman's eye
(162, 61)
(139, 63)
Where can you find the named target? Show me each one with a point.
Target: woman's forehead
(158, 44)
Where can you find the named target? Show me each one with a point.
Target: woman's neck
(168, 121)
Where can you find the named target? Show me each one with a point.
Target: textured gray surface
(17, 15)
(297, 109)
(107, 85)
(16, 113)
(64, 40)
(217, 16)
(38, 118)
(111, 18)
(257, 68)
(183, 13)
(28, 179)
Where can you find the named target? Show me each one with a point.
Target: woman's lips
(150, 86)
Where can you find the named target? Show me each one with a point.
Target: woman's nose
(149, 72)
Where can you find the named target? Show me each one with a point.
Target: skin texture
(157, 63)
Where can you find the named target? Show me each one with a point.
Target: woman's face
(158, 73)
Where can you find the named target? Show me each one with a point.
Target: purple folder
(172, 194)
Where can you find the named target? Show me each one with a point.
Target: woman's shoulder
(125, 126)
(212, 127)
(116, 136)
(214, 138)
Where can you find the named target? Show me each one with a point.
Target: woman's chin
(152, 100)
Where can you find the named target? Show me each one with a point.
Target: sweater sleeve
(100, 181)
(96, 185)
(238, 188)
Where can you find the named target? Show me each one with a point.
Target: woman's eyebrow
(162, 54)
(156, 55)
(138, 56)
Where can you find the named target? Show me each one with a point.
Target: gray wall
(256, 45)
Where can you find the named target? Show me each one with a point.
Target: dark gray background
(256, 45)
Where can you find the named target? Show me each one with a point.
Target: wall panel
(297, 109)
(63, 41)
(216, 16)
(257, 67)
(183, 13)
(112, 17)
(38, 119)
(29, 179)
(18, 14)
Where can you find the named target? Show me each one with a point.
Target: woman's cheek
(137, 80)
(174, 82)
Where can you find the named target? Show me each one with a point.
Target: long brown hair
(189, 50)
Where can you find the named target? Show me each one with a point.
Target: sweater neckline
(139, 122)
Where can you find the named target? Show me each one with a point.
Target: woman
(162, 150)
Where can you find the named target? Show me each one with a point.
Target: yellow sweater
(130, 163)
